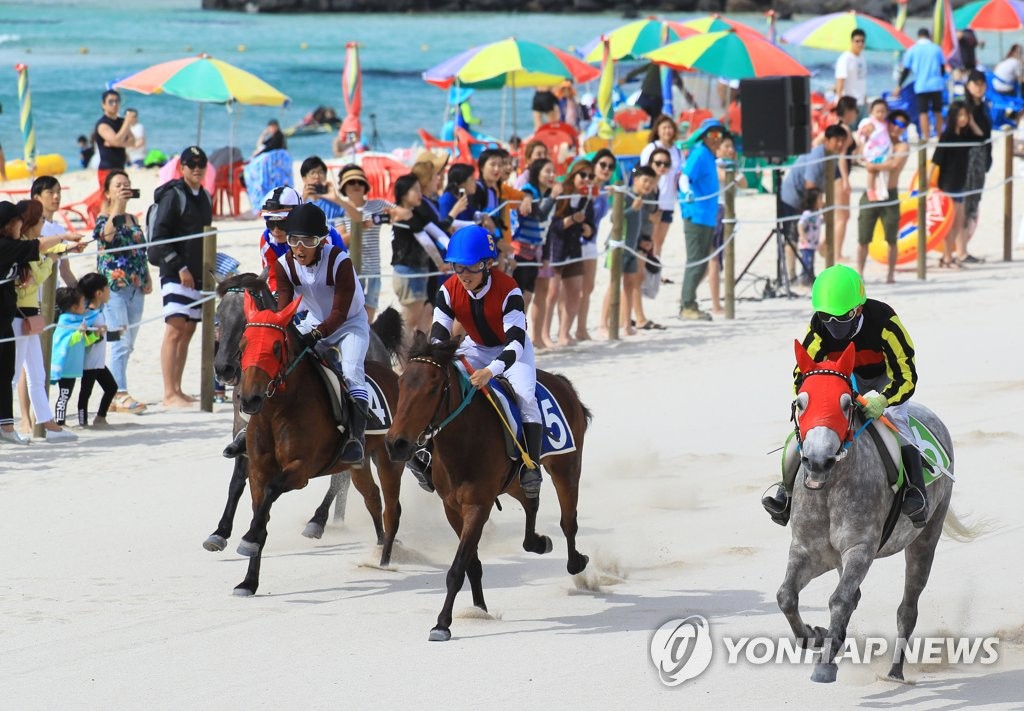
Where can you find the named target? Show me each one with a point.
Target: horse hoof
(313, 530)
(440, 635)
(243, 592)
(824, 673)
(215, 543)
(578, 565)
(546, 542)
(248, 548)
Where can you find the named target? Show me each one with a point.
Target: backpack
(153, 213)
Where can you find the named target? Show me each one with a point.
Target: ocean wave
(9, 38)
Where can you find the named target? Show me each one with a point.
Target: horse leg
(473, 517)
(315, 527)
(362, 478)
(532, 541)
(342, 481)
(800, 570)
(256, 537)
(390, 475)
(567, 486)
(218, 540)
(856, 563)
(475, 573)
(919, 556)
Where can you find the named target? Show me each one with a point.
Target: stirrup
(237, 446)
(352, 452)
(530, 481)
(419, 465)
(919, 515)
(778, 507)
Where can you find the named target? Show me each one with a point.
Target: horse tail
(588, 416)
(954, 527)
(388, 327)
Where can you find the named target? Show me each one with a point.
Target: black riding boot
(237, 446)
(420, 467)
(915, 501)
(353, 452)
(530, 479)
(776, 503)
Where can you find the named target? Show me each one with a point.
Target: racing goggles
(478, 268)
(845, 318)
(307, 241)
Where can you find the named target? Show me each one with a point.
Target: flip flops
(652, 326)
(126, 403)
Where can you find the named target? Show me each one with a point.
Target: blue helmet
(471, 244)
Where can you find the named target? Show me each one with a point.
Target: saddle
(934, 458)
(378, 416)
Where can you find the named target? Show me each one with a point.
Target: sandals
(652, 326)
(126, 403)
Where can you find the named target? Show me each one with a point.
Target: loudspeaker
(776, 116)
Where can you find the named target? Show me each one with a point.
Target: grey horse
(385, 340)
(840, 510)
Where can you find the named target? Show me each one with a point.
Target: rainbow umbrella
(944, 33)
(718, 23)
(832, 32)
(28, 130)
(635, 39)
(990, 16)
(352, 91)
(731, 54)
(510, 62)
(205, 80)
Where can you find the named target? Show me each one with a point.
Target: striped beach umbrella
(510, 62)
(28, 130)
(944, 33)
(719, 23)
(832, 32)
(990, 16)
(729, 54)
(606, 129)
(635, 39)
(352, 91)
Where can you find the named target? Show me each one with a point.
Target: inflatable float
(49, 164)
(939, 218)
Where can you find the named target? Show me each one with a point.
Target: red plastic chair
(693, 118)
(227, 190)
(432, 143)
(631, 119)
(382, 172)
(562, 141)
(464, 142)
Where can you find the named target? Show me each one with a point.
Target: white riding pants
(522, 376)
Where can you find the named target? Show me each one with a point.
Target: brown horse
(292, 437)
(470, 465)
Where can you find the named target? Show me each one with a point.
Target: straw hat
(439, 160)
(351, 174)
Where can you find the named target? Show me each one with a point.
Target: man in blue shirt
(925, 61)
(700, 212)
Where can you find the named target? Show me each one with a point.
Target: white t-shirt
(668, 184)
(853, 70)
(1006, 75)
(138, 154)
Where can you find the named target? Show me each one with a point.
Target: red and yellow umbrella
(510, 62)
(717, 23)
(730, 54)
(991, 16)
(203, 78)
(636, 39)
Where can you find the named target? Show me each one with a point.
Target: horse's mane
(441, 353)
(242, 281)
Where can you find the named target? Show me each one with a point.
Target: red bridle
(266, 330)
(823, 406)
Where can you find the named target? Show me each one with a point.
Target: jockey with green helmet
(884, 372)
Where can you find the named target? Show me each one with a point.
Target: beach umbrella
(204, 79)
(606, 129)
(944, 32)
(718, 23)
(635, 39)
(990, 16)
(28, 130)
(510, 62)
(832, 32)
(729, 54)
(352, 91)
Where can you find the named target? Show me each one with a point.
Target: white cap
(279, 202)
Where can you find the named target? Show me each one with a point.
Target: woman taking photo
(604, 168)
(458, 194)
(414, 254)
(528, 242)
(664, 133)
(127, 273)
(573, 224)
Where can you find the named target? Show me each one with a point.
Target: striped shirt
(493, 316)
(883, 348)
(370, 263)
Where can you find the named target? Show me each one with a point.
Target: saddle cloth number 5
(558, 437)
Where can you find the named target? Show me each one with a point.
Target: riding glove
(309, 340)
(874, 405)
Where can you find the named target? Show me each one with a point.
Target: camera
(380, 218)
(136, 193)
(320, 188)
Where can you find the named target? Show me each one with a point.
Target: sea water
(76, 48)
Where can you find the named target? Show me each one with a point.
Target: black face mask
(843, 330)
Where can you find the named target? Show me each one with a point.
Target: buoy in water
(83, 50)
(241, 48)
(424, 47)
(303, 45)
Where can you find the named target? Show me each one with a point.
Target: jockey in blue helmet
(489, 306)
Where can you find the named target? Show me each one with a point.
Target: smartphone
(320, 189)
(136, 193)
(380, 218)
(462, 192)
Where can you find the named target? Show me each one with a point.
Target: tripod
(781, 286)
(375, 143)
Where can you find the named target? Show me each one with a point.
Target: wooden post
(46, 309)
(728, 278)
(922, 210)
(830, 215)
(209, 285)
(355, 242)
(1008, 197)
(618, 234)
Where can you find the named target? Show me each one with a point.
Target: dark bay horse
(470, 465)
(841, 499)
(291, 436)
(385, 340)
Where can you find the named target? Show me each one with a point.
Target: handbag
(32, 325)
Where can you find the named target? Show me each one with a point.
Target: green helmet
(837, 291)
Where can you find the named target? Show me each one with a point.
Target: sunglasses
(585, 176)
(275, 223)
(898, 123)
(661, 163)
(477, 268)
(194, 166)
(845, 318)
(605, 165)
(309, 242)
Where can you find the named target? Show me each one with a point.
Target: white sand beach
(108, 600)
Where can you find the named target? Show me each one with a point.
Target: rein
(279, 379)
(466, 388)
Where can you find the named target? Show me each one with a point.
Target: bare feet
(629, 331)
(176, 401)
(545, 342)
(718, 311)
(185, 396)
(582, 336)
